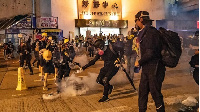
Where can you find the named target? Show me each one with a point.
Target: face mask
(101, 52)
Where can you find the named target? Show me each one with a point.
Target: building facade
(171, 14)
(69, 10)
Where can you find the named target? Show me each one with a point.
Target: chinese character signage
(26, 23)
(96, 4)
(101, 23)
(48, 22)
(23, 24)
(99, 9)
(85, 3)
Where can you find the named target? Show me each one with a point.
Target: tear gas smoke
(185, 99)
(81, 59)
(190, 101)
(73, 85)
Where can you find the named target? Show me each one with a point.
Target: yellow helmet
(47, 55)
(130, 36)
(66, 40)
(50, 38)
(113, 40)
(44, 34)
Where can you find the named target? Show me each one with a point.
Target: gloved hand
(79, 71)
(117, 64)
(137, 64)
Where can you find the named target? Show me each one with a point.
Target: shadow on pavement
(92, 92)
(125, 92)
(124, 96)
(169, 86)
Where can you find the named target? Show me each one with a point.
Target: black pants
(105, 75)
(151, 82)
(28, 61)
(36, 53)
(196, 75)
(91, 53)
(63, 71)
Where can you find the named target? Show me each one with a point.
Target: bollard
(21, 82)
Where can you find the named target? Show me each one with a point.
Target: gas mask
(101, 51)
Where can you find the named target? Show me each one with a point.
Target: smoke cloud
(81, 59)
(76, 85)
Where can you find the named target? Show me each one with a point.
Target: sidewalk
(177, 84)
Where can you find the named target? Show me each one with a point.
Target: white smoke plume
(81, 59)
(74, 85)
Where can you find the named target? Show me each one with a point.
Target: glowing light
(87, 17)
(113, 17)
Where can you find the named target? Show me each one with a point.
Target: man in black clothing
(194, 62)
(36, 48)
(109, 55)
(24, 50)
(153, 70)
(67, 55)
(10, 49)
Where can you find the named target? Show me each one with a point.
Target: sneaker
(104, 99)
(110, 89)
(45, 88)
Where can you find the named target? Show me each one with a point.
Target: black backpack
(171, 47)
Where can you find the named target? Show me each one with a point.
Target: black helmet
(99, 44)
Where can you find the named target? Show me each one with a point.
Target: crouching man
(109, 55)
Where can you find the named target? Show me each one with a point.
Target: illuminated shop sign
(23, 24)
(26, 23)
(97, 3)
(101, 23)
(93, 9)
(48, 22)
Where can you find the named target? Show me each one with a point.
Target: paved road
(178, 85)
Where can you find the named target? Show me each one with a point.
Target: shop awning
(5, 23)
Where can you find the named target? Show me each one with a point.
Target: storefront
(97, 26)
(100, 16)
(49, 25)
(22, 28)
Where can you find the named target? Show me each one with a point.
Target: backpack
(171, 47)
(134, 46)
(117, 48)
